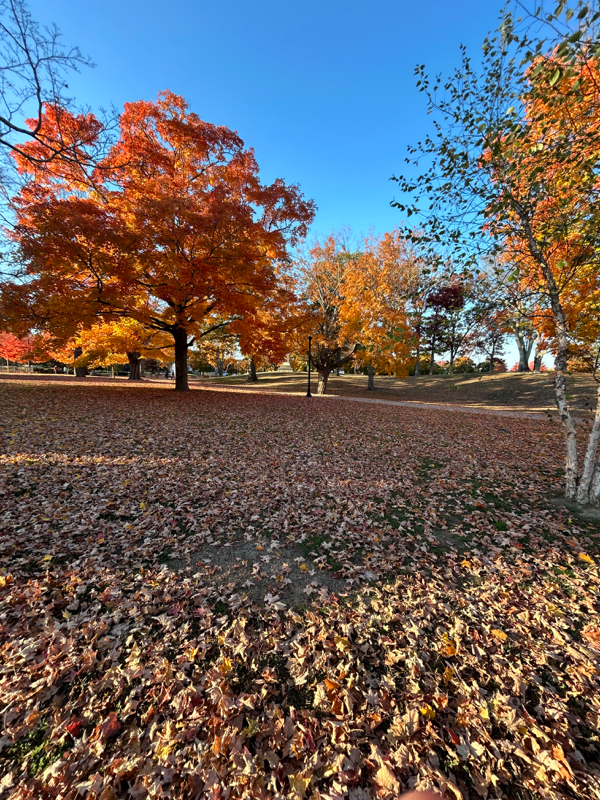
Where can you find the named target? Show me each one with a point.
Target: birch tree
(513, 162)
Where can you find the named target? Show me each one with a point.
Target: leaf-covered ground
(229, 595)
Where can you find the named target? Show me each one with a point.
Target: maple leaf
(111, 726)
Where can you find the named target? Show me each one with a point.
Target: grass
(505, 391)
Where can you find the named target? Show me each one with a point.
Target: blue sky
(323, 91)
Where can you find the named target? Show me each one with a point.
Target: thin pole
(308, 394)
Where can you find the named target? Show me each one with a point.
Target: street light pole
(308, 394)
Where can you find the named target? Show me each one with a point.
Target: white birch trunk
(590, 477)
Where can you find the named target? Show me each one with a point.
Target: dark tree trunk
(339, 358)
(80, 372)
(491, 364)
(135, 373)
(418, 365)
(252, 376)
(537, 362)
(322, 384)
(371, 381)
(181, 353)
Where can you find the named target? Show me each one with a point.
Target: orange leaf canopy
(177, 233)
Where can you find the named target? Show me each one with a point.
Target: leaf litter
(253, 596)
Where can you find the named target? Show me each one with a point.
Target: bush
(464, 364)
(499, 365)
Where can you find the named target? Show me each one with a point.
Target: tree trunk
(339, 357)
(80, 372)
(134, 366)
(252, 376)
(432, 360)
(491, 363)
(523, 356)
(418, 366)
(181, 352)
(142, 367)
(589, 485)
(322, 384)
(561, 361)
(112, 369)
(371, 381)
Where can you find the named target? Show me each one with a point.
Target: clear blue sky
(323, 91)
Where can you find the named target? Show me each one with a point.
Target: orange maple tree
(179, 234)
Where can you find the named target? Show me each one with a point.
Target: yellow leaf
(165, 750)
(428, 712)
(252, 728)
(47, 558)
(259, 547)
(298, 784)
(303, 567)
(225, 666)
(484, 713)
(342, 643)
(499, 634)
(465, 563)
(448, 674)
(142, 505)
(585, 557)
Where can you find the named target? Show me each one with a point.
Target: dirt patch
(280, 575)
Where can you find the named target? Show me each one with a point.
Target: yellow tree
(117, 341)
(323, 273)
(373, 310)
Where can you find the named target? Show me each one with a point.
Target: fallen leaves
(133, 665)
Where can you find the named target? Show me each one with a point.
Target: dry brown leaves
(462, 653)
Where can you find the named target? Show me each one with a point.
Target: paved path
(498, 412)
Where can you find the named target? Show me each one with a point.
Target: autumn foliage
(176, 233)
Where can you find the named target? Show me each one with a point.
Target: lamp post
(308, 394)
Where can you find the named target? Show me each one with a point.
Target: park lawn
(225, 594)
(508, 391)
